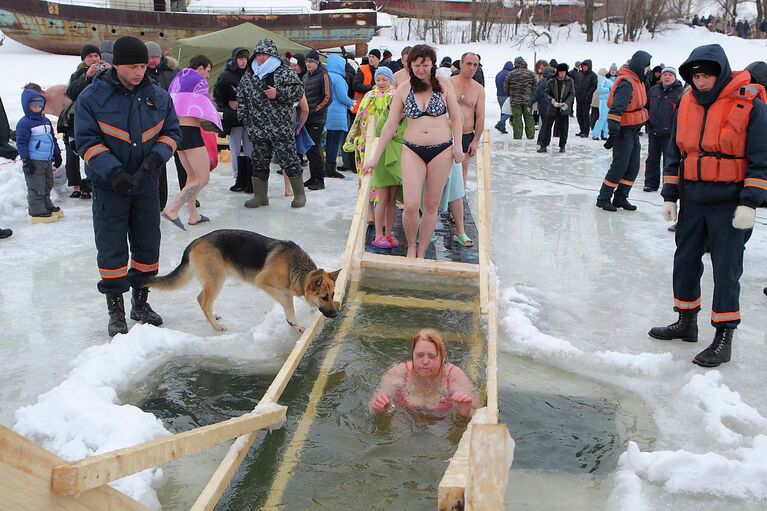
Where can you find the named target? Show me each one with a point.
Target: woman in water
(426, 383)
(434, 122)
(189, 90)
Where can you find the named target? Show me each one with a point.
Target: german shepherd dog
(278, 267)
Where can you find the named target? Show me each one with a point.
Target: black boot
(248, 177)
(720, 350)
(243, 174)
(685, 328)
(606, 206)
(330, 171)
(623, 203)
(116, 309)
(140, 310)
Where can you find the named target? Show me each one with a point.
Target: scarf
(267, 67)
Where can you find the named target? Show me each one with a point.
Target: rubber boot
(260, 189)
(719, 351)
(607, 206)
(623, 203)
(140, 310)
(685, 328)
(299, 194)
(116, 309)
(243, 175)
(247, 178)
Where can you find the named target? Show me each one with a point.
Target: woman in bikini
(189, 90)
(434, 122)
(426, 383)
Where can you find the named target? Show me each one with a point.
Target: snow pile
(83, 415)
(13, 191)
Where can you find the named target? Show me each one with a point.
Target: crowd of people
(741, 27)
(133, 108)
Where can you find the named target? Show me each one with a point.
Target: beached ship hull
(64, 29)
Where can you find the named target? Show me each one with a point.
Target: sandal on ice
(392, 239)
(463, 240)
(202, 219)
(175, 221)
(381, 242)
(75, 195)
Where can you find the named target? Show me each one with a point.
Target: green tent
(218, 46)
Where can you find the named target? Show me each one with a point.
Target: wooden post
(491, 374)
(75, 478)
(491, 452)
(483, 222)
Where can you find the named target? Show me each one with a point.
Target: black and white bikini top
(434, 108)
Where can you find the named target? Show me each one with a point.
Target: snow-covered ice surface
(579, 288)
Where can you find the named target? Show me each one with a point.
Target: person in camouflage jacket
(519, 86)
(265, 102)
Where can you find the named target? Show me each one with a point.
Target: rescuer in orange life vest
(628, 112)
(717, 165)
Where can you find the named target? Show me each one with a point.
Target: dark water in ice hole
(351, 460)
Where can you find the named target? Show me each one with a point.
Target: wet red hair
(435, 337)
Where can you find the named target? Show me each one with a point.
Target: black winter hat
(386, 54)
(704, 66)
(313, 55)
(553, 63)
(87, 50)
(129, 50)
(376, 53)
(562, 67)
(446, 62)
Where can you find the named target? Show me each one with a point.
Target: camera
(102, 66)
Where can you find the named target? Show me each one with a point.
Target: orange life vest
(712, 141)
(367, 79)
(636, 111)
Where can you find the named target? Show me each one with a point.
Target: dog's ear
(334, 275)
(318, 282)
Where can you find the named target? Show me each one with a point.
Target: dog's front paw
(298, 328)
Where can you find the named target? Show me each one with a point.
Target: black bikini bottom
(190, 138)
(428, 152)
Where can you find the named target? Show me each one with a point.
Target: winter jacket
(116, 129)
(78, 82)
(393, 65)
(519, 83)
(164, 73)
(479, 76)
(586, 84)
(727, 128)
(338, 118)
(539, 94)
(500, 78)
(34, 132)
(662, 103)
(317, 92)
(264, 118)
(561, 91)
(628, 97)
(363, 80)
(225, 90)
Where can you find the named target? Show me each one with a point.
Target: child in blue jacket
(39, 152)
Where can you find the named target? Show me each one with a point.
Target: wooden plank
(411, 302)
(492, 353)
(421, 266)
(483, 220)
(220, 480)
(75, 478)
(491, 453)
(25, 481)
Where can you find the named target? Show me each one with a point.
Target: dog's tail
(175, 279)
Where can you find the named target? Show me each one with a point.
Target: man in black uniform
(125, 130)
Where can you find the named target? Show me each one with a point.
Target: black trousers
(709, 225)
(594, 117)
(71, 163)
(563, 123)
(163, 181)
(656, 150)
(315, 155)
(583, 113)
(127, 232)
(624, 167)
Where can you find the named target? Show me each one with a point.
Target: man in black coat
(317, 91)
(225, 96)
(560, 94)
(662, 102)
(584, 90)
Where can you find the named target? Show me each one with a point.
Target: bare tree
(589, 16)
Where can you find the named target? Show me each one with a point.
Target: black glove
(57, 160)
(123, 182)
(151, 163)
(610, 142)
(26, 165)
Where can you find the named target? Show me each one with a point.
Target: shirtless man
(402, 75)
(471, 99)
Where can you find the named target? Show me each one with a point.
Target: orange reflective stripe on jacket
(367, 79)
(636, 111)
(713, 141)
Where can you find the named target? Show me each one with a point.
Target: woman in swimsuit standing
(434, 121)
(426, 383)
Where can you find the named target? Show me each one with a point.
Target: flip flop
(175, 221)
(463, 240)
(202, 219)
